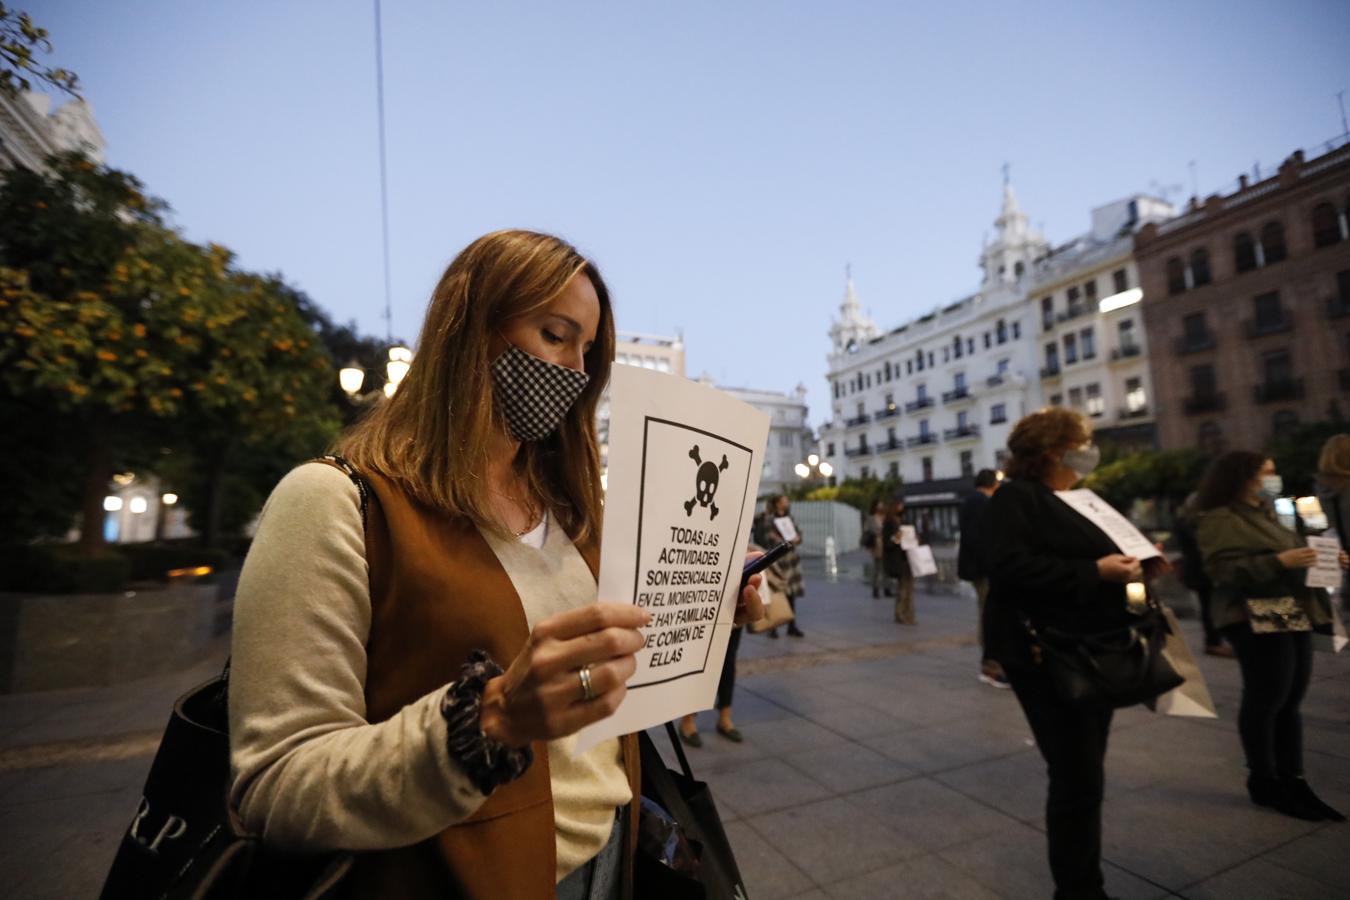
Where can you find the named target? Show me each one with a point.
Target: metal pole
(384, 179)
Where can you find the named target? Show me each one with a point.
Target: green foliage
(1167, 475)
(150, 562)
(61, 569)
(19, 40)
(860, 493)
(1295, 453)
(146, 347)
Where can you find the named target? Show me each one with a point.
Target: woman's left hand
(749, 608)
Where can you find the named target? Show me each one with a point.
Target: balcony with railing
(920, 440)
(857, 420)
(1195, 342)
(854, 452)
(1257, 328)
(1073, 312)
(1210, 401)
(1050, 371)
(1128, 413)
(920, 403)
(996, 380)
(1282, 389)
(961, 433)
(956, 395)
(890, 444)
(889, 412)
(1126, 351)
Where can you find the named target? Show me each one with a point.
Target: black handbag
(689, 804)
(1111, 669)
(185, 842)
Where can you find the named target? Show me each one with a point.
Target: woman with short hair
(1263, 608)
(369, 709)
(1052, 567)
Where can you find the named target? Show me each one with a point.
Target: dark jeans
(1073, 744)
(1203, 594)
(726, 685)
(1276, 669)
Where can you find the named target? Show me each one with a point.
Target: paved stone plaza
(875, 765)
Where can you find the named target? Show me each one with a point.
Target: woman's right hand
(539, 697)
(1119, 568)
(1298, 558)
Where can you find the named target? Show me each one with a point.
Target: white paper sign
(684, 466)
(785, 528)
(909, 538)
(1119, 529)
(1326, 572)
(921, 561)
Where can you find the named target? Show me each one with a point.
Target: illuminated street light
(351, 377)
(169, 499)
(813, 460)
(400, 360)
(826, 469)
(802, 470)
(112, 504)
(138, 505)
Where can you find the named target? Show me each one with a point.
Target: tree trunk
(217, 458)
(99, 471)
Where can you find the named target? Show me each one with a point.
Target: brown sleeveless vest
(437, 592)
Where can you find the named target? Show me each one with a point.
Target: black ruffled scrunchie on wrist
(488, 763)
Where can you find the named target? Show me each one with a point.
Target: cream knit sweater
(309, 770)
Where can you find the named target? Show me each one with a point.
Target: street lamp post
(814, 467)
(352, 376)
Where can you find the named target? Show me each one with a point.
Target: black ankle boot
(1277, 794)
(1298, 789)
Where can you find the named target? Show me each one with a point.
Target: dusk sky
(721, 162)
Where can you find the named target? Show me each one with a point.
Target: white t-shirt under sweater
(309, 770)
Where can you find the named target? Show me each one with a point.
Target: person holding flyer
(1264, 608)
(896, 538)
(1051, 566)
(772, 528)
(417, 640)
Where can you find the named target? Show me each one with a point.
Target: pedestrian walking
(1194, 577)
(788, 569)
(1267, 613)
(895, 559)
(972, 564)
(1052, 567)
(872, 541)
(368, 705)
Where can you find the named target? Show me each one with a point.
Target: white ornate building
(790, 438)
(30, 130)
(1094, 353)
(932, 401)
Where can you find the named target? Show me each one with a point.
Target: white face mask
(1272, 486)
(1083, 460)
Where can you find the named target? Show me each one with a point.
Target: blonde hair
(1333, 463)
(432, 437)
(1037, 439)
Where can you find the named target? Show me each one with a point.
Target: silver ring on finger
(587, 689)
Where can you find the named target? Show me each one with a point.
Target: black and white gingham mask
(534, 394)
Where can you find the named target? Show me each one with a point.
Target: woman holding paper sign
(1052, 566)
(369, 709)
(1265, 610)
(895, 557)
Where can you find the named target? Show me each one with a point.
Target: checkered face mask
(534, 394)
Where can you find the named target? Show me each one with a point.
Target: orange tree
(143, 345)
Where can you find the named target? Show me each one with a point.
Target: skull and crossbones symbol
(705, 484)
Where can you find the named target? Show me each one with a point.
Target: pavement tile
(855, 721)
(834, 839)
(768, 873)
(946, 746)
(1014, 785)
(931, 815)
(758, 787)
(849, 768)
(782, 737)
(1320, 856)
(925, 878)
(60, 782)
(1262, 880)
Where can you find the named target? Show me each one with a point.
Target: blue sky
(721, 161)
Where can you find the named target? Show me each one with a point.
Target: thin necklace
(529, 511)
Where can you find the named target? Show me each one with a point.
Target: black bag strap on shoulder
(363, 488)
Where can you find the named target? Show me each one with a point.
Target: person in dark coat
(895, 561)
(1194, 577)
(1050, 565)
(972, 563)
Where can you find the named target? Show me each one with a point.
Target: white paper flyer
(684, 465)
(1119, 529)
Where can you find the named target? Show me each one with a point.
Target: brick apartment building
(1247, 307)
